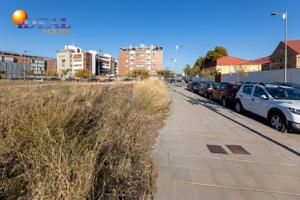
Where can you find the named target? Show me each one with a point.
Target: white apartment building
(72, 59)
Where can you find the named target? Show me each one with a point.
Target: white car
(279, 104)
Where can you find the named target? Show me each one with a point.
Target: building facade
(230, 65)
(149, 58)
(277, 59)
(35, 65)
(72, 59)
(106, 65)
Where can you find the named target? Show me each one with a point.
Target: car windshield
(283, 93)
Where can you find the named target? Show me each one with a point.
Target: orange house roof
(294, 45)
(225, 61)
(262, 60)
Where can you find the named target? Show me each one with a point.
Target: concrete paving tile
(179, 174)
(250, 181)
(224, 178)
(282, 170)
(202, 176)
(185, 192)
(274, 158)
(160, 158)
(174, 149)
(210, 193)
(280, 183)
(190, 149)
(195, 162)
(166, 190)
(235, 194)
(237, 167)
(256, 168)
(182, 156)
(261, 196)
(176, 160)
(216, 164)
(286, 197)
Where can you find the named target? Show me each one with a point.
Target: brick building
(278, 56)
(38, 65)
(141, 57)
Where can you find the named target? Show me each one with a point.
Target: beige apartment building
(141, 57)
(71, 60)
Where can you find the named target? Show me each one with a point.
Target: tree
(85, 73)
(218, 52)
(139, 73)
(166, 73)
(240, 71)
(2, 73)
(50, 72)
(187, 70)
(211, 55)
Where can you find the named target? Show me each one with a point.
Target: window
(259, 92)
(247, 89)
(225, 86)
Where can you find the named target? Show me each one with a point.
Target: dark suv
(225, 93)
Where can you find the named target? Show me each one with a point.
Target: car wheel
(223, 102)
(238, 107)
(277, 122)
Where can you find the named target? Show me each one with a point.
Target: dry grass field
(79, 141)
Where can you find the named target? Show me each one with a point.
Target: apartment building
(72, 59)
(12, 64)
(81, 61)
(106, 64)
(140, 57)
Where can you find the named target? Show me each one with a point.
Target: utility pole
(24, 73)
(176, 55)
(285, 17)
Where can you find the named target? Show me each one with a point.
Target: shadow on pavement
(214, 107)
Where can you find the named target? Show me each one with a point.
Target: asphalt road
(261, 164)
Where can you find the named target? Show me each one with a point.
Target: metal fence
(10, 70)
(293, 76)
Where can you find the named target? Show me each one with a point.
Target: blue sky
(244, 27)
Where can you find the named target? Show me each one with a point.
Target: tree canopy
(85, 73)
(211, 55)
(139, 73)
(166, 73)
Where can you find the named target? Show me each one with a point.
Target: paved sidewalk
(188, 170)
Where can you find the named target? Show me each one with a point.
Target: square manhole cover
(237, 149)
(216, 149)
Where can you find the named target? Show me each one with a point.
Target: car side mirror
(263, 97)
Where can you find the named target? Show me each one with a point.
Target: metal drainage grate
(216, 149)
(237, 149)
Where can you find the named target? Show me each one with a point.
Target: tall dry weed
(80, 141)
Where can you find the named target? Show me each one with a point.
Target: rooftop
(294, 45)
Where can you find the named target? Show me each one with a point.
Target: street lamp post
(285, 17)
(176, 55)
(24, 73)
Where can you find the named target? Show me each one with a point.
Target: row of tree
(144, 74)
(199, 65)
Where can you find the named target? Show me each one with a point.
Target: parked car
(293, 85)
(206, 88)
(193, 86)
(225, 93)
(280, 105)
